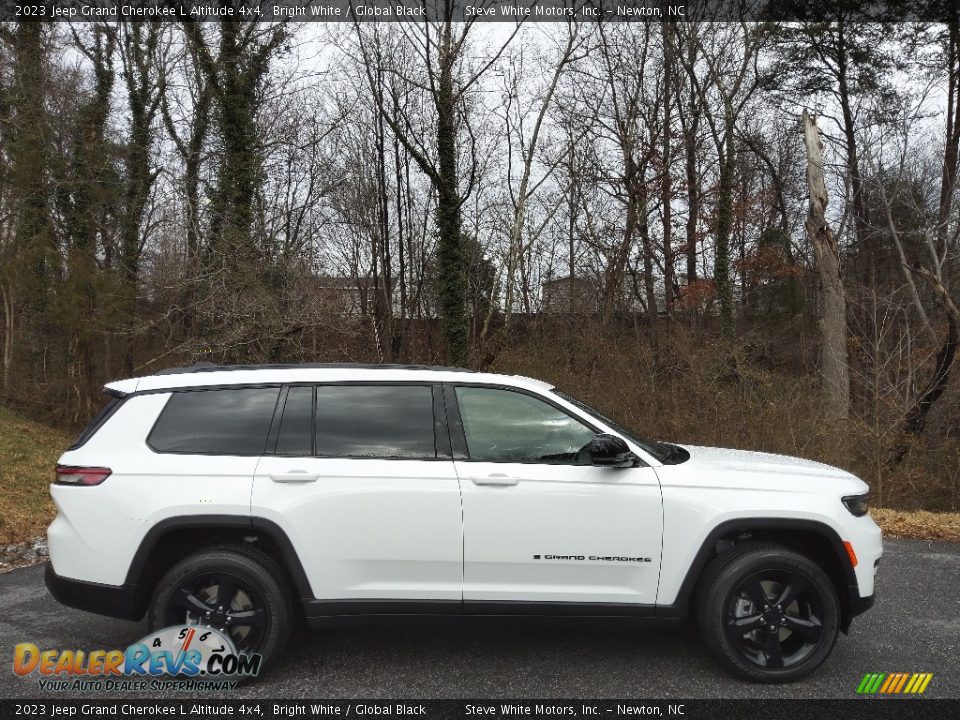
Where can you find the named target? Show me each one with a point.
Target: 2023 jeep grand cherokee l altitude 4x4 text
(236, 496)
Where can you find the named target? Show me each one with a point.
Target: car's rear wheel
(767, 612)
(237, 590)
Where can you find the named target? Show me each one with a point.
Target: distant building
(341, 295)
(585, 294)
(566, 295)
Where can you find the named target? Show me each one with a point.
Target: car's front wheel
(236, 589)
(768, 613)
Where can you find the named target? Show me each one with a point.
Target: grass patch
(28, 453)
(920, 524)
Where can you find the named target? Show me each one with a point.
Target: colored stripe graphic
(870, 683)
(893, 683)
(918, 683)
(891, 680)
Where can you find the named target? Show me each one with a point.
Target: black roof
(211, 367)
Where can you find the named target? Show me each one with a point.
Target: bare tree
(730, 53)
(520, 197)
(235, 74)
(141, 56)
(441, 51)
(833, 318)
(925, 252)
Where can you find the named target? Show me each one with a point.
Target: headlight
(858, 505)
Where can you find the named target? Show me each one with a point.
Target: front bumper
(859, 605)
(855, 605)
(118, 601)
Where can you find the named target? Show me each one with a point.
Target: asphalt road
(914, 627)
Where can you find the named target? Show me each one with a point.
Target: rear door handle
(294, 476)
(495, 479)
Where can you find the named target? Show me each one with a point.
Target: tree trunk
(721, 262)
(666, 188)
(34, 241)
(405, 314)
(635, 191)
(916, 417)
(143, 100)
(450, 256)
(833, 361)
(89, 193)
(693, 189)
(951, 149)
(853, 159)
(239, 169)
(382, 265)
(8, 332)
(649, 285)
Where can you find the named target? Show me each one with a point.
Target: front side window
(667, 453)
(375, 421)
(505, 426)
(232, 421)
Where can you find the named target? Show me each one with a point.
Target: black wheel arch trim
(255, 525)
(850, 601)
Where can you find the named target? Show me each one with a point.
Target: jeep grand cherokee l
(236, 497)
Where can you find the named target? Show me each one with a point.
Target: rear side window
(113, 402)
(232, 421)
(375, 421)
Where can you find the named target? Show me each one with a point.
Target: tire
(737, 630)
(258, 590)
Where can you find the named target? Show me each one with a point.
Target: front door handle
(294, 476)
(495, 479)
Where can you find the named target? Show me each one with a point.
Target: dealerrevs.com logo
(187, 657)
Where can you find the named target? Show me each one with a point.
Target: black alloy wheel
(236, 589)
(767, 612)
(223, 601)
(775, 618)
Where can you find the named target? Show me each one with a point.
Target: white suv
(240, 497)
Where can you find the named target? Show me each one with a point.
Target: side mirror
(610, 451)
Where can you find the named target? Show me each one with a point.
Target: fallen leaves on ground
(919, 524)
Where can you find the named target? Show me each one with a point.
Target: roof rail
(211, 367)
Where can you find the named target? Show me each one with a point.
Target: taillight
(69, 475)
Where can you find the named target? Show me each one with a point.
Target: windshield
(666, 453)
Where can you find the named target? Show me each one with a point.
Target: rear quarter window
(98, 421)
(231, 421)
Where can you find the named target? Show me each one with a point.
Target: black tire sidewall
(726, 577)
(249, 570)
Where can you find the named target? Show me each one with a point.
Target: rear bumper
(118, 601)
